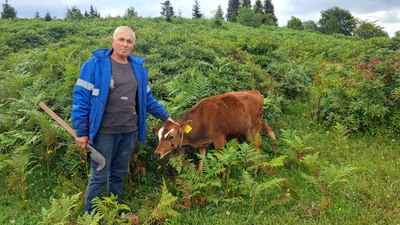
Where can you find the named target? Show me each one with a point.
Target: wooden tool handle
(57, 119)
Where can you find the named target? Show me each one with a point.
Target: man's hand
(82, 141)
(170, 119)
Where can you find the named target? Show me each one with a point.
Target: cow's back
(231, 114)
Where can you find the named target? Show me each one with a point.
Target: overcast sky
(386, 13)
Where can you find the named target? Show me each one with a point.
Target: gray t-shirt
(120, 114)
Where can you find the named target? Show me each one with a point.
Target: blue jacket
(90, 95)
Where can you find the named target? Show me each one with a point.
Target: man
(110, 102)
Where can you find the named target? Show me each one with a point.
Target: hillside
(333, 101)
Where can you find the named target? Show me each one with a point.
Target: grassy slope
(193, 48)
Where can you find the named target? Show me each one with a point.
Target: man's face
(123, 43)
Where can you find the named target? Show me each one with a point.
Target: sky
(385, 13)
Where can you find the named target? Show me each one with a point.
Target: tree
(8, 11)
(268, 7)
(248, 17)
(246, 3)
(130, 13)
(37, 15)
(310, 25)
(337, 20)
(47, 17)
(295, 23)
(233, 6)
(73, 13)
(269, 13)
(196, 14)
(218, 16)
(167, 10)
(258, 8)
(367, 30)
(93, 13)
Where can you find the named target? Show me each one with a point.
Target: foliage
(337, 20)
(310, 25)
(367, 30)
(61, 210)
(218, 16)
(167, 10)
(269, 13)
(130, 13)
(295, 23)
(109, 209)
(73, 13)
(8, 12)
(255, 189)
(163, 210)
(332, 105)
(48, 17)
(20, 167)
(297, 148)
(246, 16)
(233, 7)
(196, 13)
(89, 219)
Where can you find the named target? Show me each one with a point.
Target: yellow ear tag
(188, 129)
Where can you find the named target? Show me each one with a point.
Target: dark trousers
(117, 150)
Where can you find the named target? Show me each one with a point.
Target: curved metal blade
(97, 157)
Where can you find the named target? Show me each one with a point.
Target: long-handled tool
(96, 156)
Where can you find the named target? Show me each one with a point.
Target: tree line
(334, 20)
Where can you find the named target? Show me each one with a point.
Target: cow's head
(170, 137)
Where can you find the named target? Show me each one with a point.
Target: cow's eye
(170, 138)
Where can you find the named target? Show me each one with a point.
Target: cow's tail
(269, 131)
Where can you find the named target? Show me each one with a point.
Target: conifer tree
(233, 6)
(48, 17)
(246, 3)
(8, 11)
(258, 8)
(218, 16)
(167, 10)
(269, 13)
(196, 14)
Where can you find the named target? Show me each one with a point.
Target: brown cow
(214, 120)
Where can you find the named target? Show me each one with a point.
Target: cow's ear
(185, 126)
(186, 123)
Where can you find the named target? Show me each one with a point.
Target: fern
(249, 186)
(164, 208)
(89, 219)
(60, 211)
(311, 161)
(333, 176)
(21, 168)
(329, 179)
(297, 147)
(176, 162)
(109, 208)
(186, 90)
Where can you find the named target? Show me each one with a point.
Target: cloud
(391, 17)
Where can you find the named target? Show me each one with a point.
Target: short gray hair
(125, 28)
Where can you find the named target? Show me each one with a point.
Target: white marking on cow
(160, 133)
(166, 135)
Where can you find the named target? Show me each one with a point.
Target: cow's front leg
(202, 152)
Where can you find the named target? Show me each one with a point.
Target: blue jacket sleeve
(81, 100)
(155, 108)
